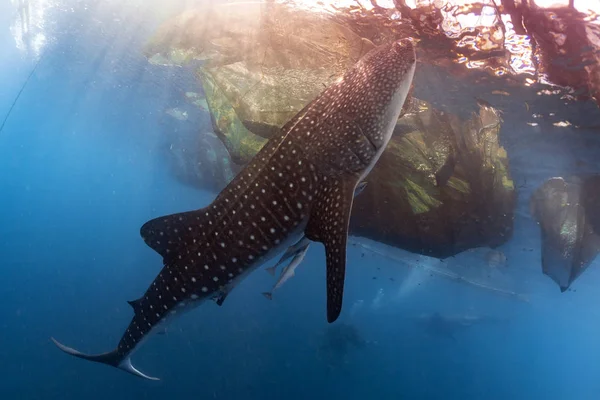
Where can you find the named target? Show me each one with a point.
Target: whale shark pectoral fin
(112, 358)
(328, 224)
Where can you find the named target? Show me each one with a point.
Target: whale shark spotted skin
(300, 183)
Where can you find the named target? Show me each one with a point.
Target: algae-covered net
(444, 184)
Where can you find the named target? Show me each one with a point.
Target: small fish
(303, 243)
(495, 259)
(177, 114)
(483, 103)
(201, 103)
(359, 188)
(288, 271)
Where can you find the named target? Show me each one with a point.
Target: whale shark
(301, 183)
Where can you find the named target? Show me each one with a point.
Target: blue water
(82, 167)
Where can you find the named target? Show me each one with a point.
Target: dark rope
(19, 95)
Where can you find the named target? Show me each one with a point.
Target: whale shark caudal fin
(112, 358)
(331, 229)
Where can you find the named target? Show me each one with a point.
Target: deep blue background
(82, 168)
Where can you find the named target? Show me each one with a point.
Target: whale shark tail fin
(112, 358)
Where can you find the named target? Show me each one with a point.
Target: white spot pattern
(339, 135)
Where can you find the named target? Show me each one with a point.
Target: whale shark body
(301, 183)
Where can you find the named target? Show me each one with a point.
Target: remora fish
(292, 251)
(301, 182)
(289, 270)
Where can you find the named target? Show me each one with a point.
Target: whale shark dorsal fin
(328, 224)
(135, 304)
(166, 235)
(112, 358)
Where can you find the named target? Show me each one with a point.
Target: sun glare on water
(330, 5)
